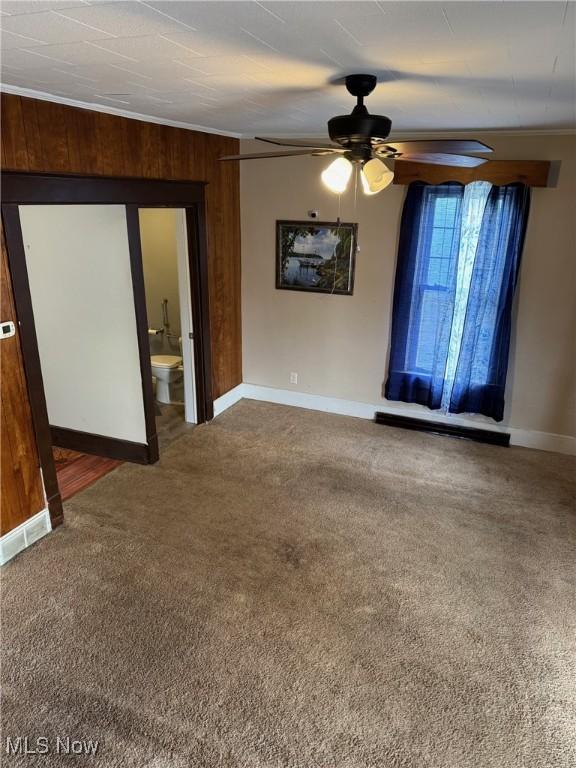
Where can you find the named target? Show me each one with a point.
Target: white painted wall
(79, 271)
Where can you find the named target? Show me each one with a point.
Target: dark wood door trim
(136, 267)
(198, 266)
(98, 445)
(70, 189)
(31, 358)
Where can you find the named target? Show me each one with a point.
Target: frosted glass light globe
(375, 176)
(337, 175)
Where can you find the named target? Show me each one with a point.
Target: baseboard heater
(451, 430)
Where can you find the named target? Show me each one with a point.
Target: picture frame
(316, 256)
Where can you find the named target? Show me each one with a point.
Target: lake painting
(316, 257)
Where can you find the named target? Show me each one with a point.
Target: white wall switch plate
(293, 378)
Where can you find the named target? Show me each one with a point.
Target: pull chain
(338, 222)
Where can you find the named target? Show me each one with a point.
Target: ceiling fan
(360, 140)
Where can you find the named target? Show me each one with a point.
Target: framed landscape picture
(316, 256)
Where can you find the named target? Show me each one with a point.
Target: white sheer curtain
(473, 204)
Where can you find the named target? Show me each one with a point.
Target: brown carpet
(295, 589)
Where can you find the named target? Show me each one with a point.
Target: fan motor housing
(353, 129)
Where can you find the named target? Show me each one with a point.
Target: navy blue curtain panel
(424, 293)
(483, 360)
(458, 260)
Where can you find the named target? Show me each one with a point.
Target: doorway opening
(167, 285)
(75, 257)
(78, 265)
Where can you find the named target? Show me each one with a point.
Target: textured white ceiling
(267, 67)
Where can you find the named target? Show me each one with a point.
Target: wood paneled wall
(42, 136)
(21, 491)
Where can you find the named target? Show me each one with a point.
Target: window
(457, 267)
(435, 269)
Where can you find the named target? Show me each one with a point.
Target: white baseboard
(228, 399)
(544, 441)
(24, 535)
(313, 402)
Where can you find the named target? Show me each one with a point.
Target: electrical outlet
(293, 378)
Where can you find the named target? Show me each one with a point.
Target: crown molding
(491, 131)
(42, 96)
(438, 133)
(109, 110)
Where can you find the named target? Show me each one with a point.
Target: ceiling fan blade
(300, 143)
(257, 155)
(452, 146)
(444, 158)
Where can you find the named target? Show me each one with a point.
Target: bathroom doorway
(167, 285)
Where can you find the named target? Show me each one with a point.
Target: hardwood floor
(76, 471)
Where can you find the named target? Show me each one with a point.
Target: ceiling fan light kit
(360, 139)
(375, 176)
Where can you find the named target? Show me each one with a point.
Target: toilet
(168, 372)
